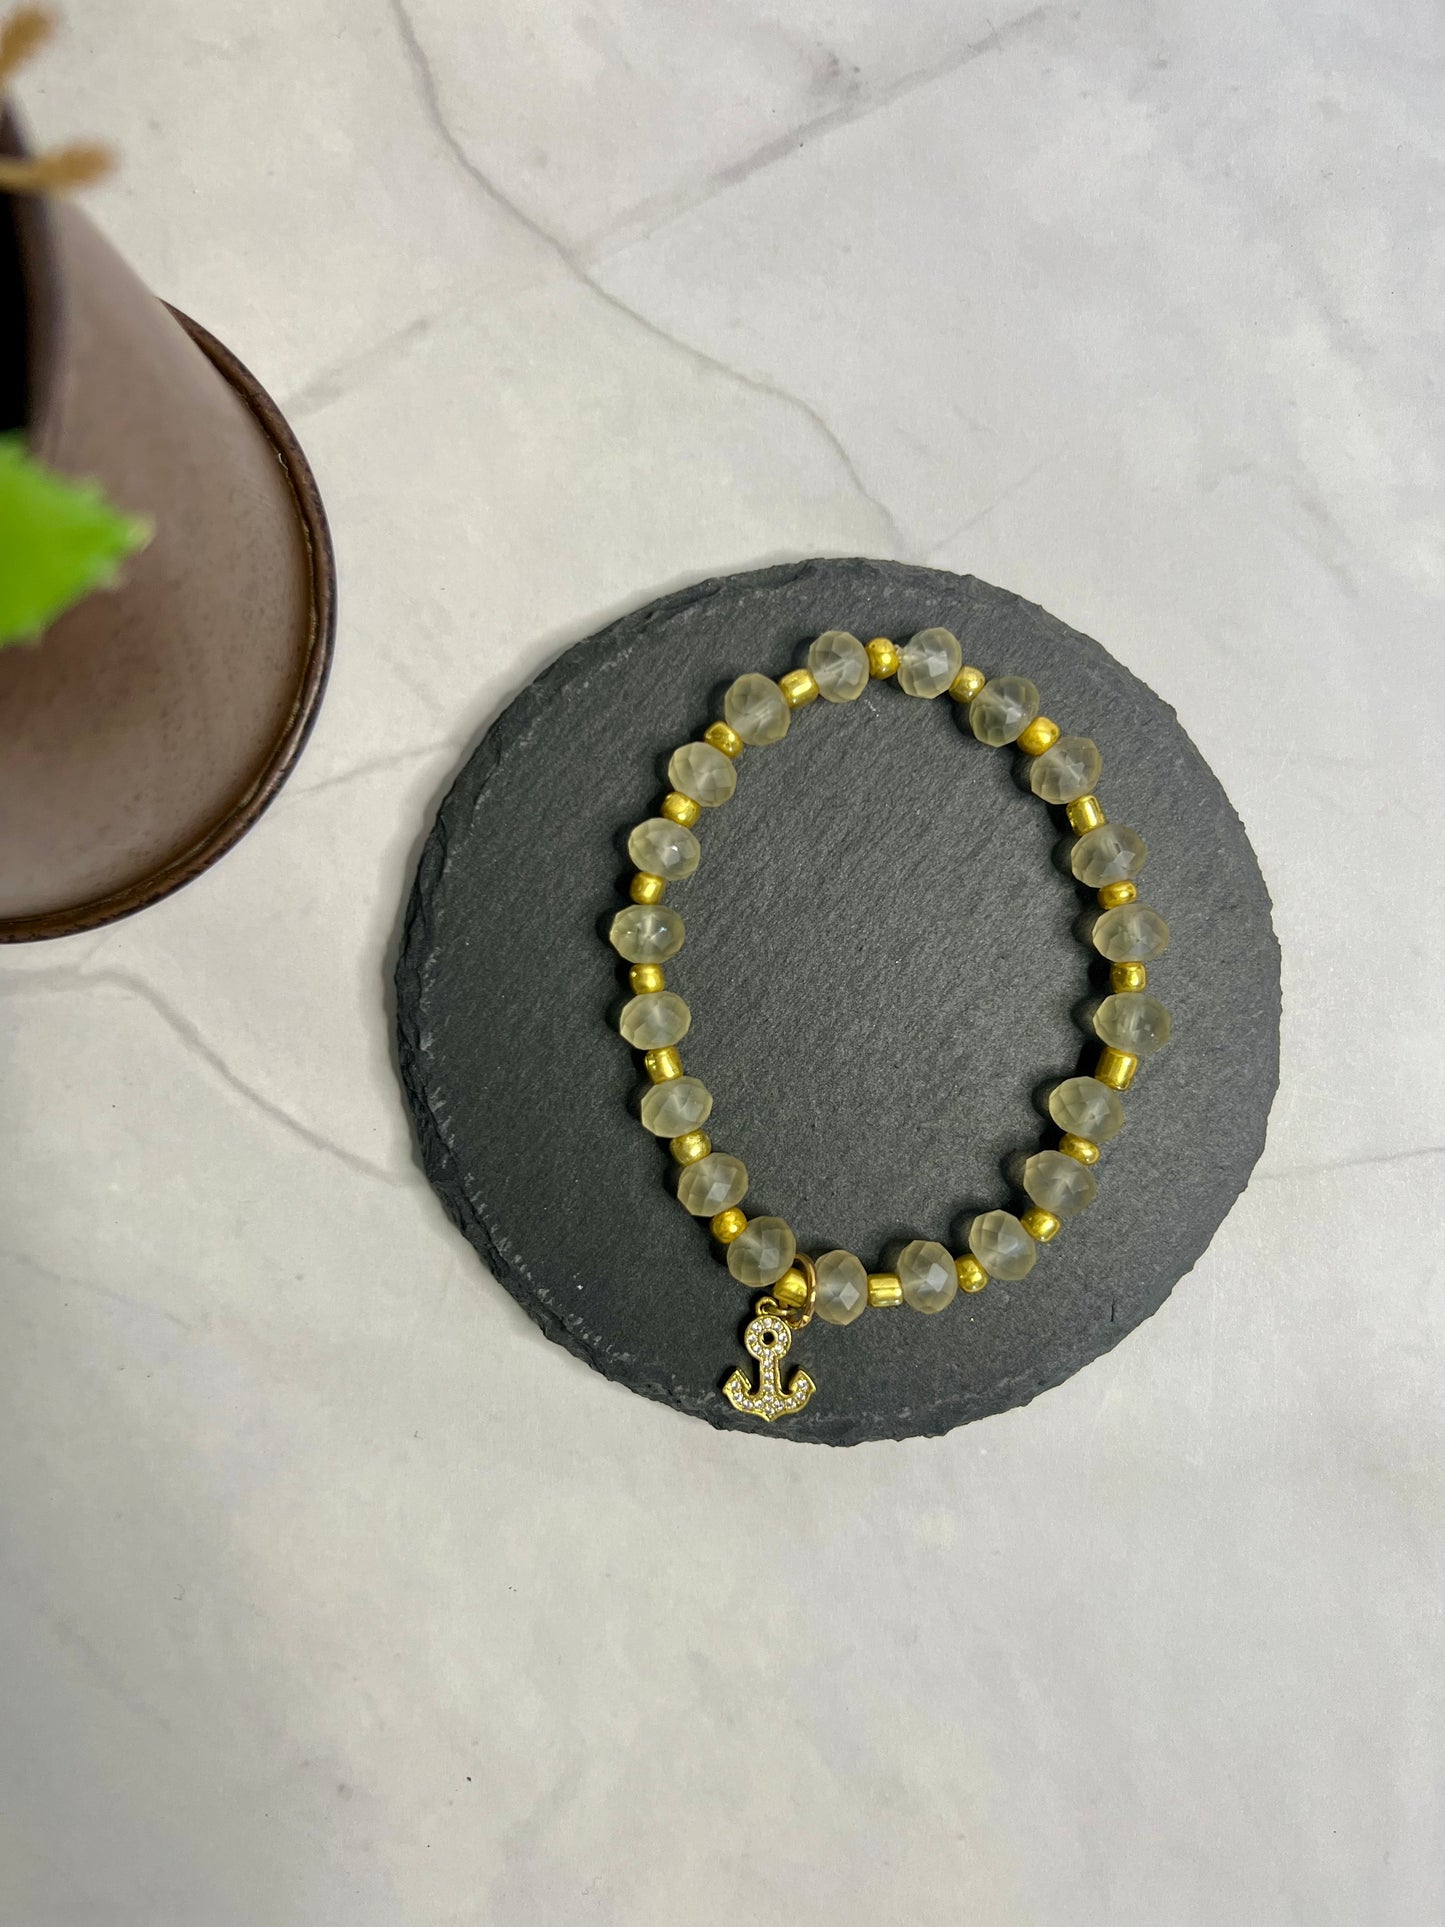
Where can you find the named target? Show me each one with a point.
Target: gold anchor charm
(767, 1339)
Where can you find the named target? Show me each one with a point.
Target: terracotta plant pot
(154, 721)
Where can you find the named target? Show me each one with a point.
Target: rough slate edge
(508, 733)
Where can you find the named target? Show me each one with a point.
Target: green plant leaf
(59, 539)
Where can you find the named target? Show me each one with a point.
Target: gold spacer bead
(964, 687)
(1041, 1225)
(681, 809)
(1040, 735)
(662, 1065)
(1086, 814)
(799, 688)
(728, 1225)
(882, 658)
(646, 889)
(691, 1146)
(1113, 894)
(1132, 976)
(791, 1290)
(1116, 1068)
(646, 978)
(971, 1274)
(1083, 1149)
(885, 1287)
(722, 737)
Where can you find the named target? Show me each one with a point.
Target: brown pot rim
(179, 870)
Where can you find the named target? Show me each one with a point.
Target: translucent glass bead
(842, 1283)
(1002, 710)
(646, 933)
(757, 709)
(678, 1106)
(1067, 771)
(654, 1021)
(1111, 854)
(761, 1253)
(1134, 1021)
(1133, 933)
(929, 662)
(664, 849)
(1087, 1108)
(715, 1183)
(1059, 1184)
(703, 773)
(1001, 1245)
(839, 663)
(927, 1272)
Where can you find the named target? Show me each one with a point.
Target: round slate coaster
(885, 973)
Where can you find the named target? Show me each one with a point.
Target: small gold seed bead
(1116, 1068)
(728, 1225)
(799, 688)
(646, 978)
(964, 687)
(691, 1146)
(1040, 735)
(662, 1065)
(1083, 1149)
(681, 809)
(884, 1287)
(882, 658)
(646, 889)
(971, 1274)
(1128, 977)
(791, 1290)
(1113, 894)
(723, 738)
(1041, 1225)
(1087, 814)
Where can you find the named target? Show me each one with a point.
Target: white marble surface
(331, 1593)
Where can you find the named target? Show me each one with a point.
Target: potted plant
(152, 720)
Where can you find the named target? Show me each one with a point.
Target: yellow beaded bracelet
(1131, 1025)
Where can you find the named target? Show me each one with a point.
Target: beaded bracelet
(1059, 1182)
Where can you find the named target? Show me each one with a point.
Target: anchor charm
(767, 1339)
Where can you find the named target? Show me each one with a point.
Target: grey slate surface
(884, 968)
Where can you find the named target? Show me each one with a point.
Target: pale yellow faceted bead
(799, 688)
(1041, 1225)
(1088, 1108)
(662, 1065)
(971, 1274)
(757, 709)
(728, 1225)
(1087, 814)
(1131, 934)
(1001, 1245)
(928, 662)
(1003, 709)
(885, 1289)
(1041, 734)
(647, 978)
(842, 1288)
(646, 933)
(667, 849)
(1116, 1068)
(690, 1147)
(839, 663)
(1067, 771)
(680, 809)
(927, 1274)
(668, 1110)
(966, 684)
(723, 738)
(655, 1020)
(715, 1183)
(703, 773)
(1112, 853)
(761, 1253)
(1113, 894)
(1059, 1184)
(882, 658)
(646, 889)
(1082, 1148)
(1128, 976)
(1133, 1021)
